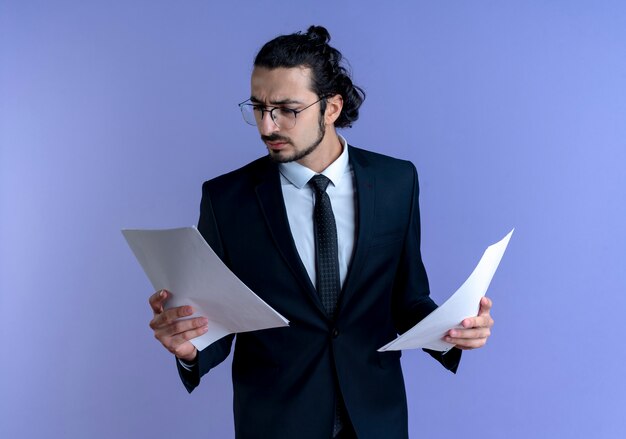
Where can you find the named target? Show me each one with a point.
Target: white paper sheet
(465, 302)
(181, 261)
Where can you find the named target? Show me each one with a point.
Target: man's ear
(334, 105)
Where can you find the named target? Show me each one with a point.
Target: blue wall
(113, 113)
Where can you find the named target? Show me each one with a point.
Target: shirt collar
(299, 175)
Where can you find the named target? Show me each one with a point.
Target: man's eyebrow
(276, 103)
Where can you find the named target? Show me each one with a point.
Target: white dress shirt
(300, 200)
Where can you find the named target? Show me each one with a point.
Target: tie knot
(319, 182)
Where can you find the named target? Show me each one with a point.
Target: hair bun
(318, 34)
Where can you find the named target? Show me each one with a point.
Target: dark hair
(328, 76)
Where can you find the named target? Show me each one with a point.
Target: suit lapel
(365, 185)
(270, 196)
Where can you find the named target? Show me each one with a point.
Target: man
(329, 236)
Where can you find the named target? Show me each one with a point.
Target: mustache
(276, 138)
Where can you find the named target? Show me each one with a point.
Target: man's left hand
(475, 331)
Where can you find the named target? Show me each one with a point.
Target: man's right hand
(175, 334)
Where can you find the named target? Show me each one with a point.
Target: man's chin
(292, 154)
(280, 156)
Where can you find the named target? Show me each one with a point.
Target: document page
(465, 302)
(181, 261)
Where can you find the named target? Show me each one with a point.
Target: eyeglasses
(284, 118)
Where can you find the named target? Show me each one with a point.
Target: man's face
(288, 88)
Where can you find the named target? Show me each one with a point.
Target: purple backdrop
(113, 114)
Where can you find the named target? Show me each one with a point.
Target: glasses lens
(284, 118)
(248, 113)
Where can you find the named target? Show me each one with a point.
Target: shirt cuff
(186, 365)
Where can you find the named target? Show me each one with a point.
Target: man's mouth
(276, 146)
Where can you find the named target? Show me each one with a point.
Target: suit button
(335, 333)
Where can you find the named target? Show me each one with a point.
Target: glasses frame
(270, 110)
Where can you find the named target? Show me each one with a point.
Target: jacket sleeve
(217, 352)
(412, 300)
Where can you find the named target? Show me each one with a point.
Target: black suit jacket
(285, 379)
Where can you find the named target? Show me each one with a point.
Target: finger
(166, 317)
(483, 321)
(465, 344)
(468, 333)
(485, 305)
(157, 299)
(179, 326)
(192, 333)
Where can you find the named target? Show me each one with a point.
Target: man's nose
(266, 125)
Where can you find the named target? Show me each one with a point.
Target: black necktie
(327, 263)
(326, 254)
